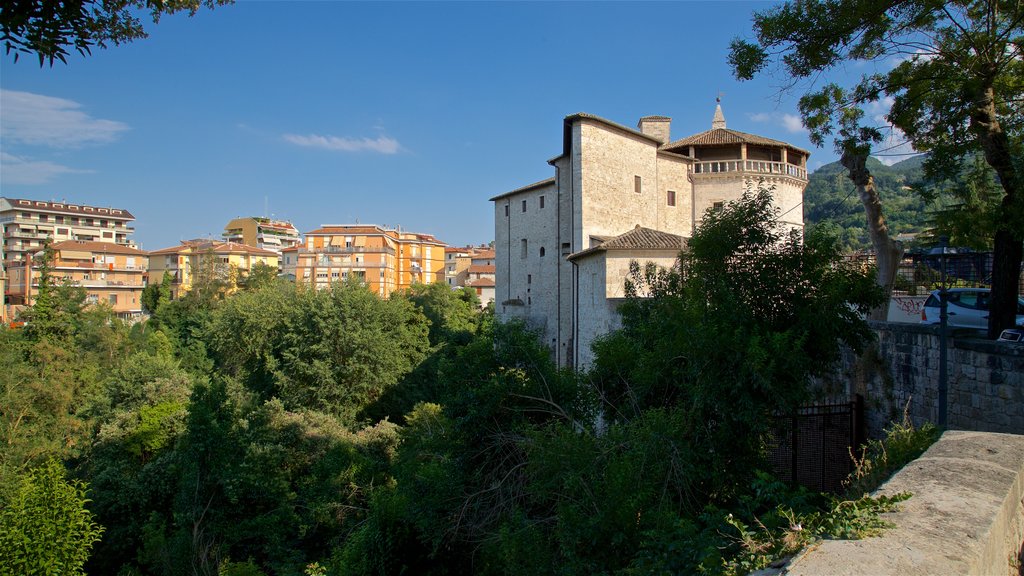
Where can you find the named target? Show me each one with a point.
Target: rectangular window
(506, 210)
(529, 278)
(524, 205)
(113, 299)
(671, 197)
(42, 217)
(541, 201)
(718, 206)
(523, 248)
(637, 184)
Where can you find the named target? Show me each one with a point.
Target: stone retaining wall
(965, 516)
(901, 372)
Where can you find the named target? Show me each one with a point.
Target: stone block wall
(901, 372)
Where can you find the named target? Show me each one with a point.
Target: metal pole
(943, 318)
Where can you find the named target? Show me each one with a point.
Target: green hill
(830, 198)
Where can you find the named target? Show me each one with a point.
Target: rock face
(965, 517)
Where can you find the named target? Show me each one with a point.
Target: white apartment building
(563, 245)
(27, 224)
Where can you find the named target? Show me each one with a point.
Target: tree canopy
(953, 72)
(49, 28)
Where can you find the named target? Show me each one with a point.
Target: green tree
(733, 335)
(334, 350)
(55, 314)
(45, 528)
(971, 211)
(260, 275)
(156, 294)
(954, 77)
(453, 314)
(48, 28)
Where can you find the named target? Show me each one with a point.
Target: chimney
(656, 126)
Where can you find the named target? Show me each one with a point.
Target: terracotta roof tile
(725, 137)
(526, 188)
(481, 283)
(102, 247)
(639, 238)
(71, 208)
(481, 269)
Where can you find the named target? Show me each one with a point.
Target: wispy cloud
(19, 170)
(790, 122)
(34, 119)
(380, 144)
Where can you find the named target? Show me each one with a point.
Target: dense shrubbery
(277, 431)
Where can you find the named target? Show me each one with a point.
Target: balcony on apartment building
(348, 250)
(759, 167)
(104, 266)
(96, 283)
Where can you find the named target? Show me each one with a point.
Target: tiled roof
(216, 246)
(481, 283)
(101, 247)
(483, 255)
(348, 230)
(639, 238)
(526, 188)
(725, 137)
(481, 269)
(633, 131)
(70, 208)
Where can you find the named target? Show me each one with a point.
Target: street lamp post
(943, 319)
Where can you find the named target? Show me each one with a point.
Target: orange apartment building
(110, 273)
(384, 259)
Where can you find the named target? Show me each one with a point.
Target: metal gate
(812, 447)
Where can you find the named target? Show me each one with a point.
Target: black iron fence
(812, 447)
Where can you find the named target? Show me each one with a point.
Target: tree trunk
(1008, 249)
(887, 251)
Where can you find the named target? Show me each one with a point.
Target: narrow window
(523, 248)
(671, 197)
(524, 205)
(529, 278)
(565, 248)
(541, 251)
(506, 210)
(637, 184)
(541, 201)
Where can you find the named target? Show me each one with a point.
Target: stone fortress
(563, 245)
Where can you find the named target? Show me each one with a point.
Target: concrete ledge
(966, 515)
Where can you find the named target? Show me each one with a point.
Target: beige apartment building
(618, 194)
(384, 259)
(110, 273)
(228, 262)
(264, 233)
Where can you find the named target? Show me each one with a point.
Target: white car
(965, 308)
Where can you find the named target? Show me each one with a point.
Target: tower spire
(719, 120)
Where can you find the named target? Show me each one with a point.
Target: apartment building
(563, 245)
(265, 233)
(110, 273)
(384, 259)
(27, 224)
(188, 262)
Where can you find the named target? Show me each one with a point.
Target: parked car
(965, 307)
(1012, 335)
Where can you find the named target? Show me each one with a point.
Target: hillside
(830, 198)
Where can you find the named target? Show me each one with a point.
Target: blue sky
(410, 114)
